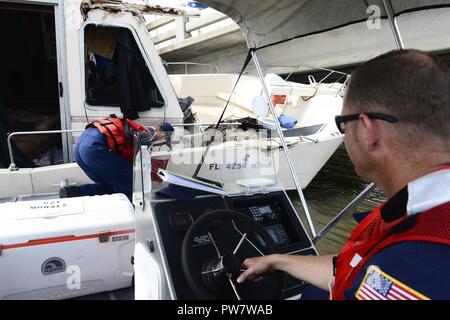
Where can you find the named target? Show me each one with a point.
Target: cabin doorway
(29, 85)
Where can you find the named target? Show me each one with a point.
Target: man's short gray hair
(410, 85)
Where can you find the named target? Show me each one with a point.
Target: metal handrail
(192, 63)
(205, 124)
(344, 212)
(311, 78)
(12, 165)
(296, 66)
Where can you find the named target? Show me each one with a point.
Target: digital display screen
(265, 209)
(278, 234)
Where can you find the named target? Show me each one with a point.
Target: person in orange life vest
(396, 119)
(105, 153)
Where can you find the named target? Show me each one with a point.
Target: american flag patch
(378, 285)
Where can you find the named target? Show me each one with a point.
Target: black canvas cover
(266, 22)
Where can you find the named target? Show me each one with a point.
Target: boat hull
(308, 157)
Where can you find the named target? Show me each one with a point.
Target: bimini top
(266, 22)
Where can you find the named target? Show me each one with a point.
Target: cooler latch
(103, 236)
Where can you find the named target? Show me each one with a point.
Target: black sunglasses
(341, 120)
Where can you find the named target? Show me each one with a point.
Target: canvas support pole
(283, 142)
(393, 22)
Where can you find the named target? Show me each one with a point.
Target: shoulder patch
(378, 285)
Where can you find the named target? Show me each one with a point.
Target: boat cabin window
(116, 73)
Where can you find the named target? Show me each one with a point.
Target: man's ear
(372, 131)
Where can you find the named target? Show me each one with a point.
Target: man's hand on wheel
(256, 268)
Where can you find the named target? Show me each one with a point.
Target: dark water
(331, 190)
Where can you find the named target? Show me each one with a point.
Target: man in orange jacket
(396, 119)
(105, 153)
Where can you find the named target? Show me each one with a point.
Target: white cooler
(63, 248)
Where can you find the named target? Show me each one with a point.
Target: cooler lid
(22, 222)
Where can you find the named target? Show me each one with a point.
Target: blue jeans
(108, 169)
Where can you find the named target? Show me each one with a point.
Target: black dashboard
(273, 211)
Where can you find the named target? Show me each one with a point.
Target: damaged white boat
(77, 37)
(310, 108)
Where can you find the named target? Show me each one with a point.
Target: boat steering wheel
(213, 250)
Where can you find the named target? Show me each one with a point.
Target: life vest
(373, 234)
(119, 133)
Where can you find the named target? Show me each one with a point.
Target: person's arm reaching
(163, 134)
(316, 270)
(155, 136)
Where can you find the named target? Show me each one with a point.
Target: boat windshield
(243, 166)
(227, 167)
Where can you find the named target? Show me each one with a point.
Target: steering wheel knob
(231, 263)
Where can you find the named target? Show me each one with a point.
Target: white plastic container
(63, 248)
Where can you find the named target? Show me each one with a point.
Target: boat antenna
(208, 144)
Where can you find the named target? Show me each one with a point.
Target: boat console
(194, 249)
(204, 244)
